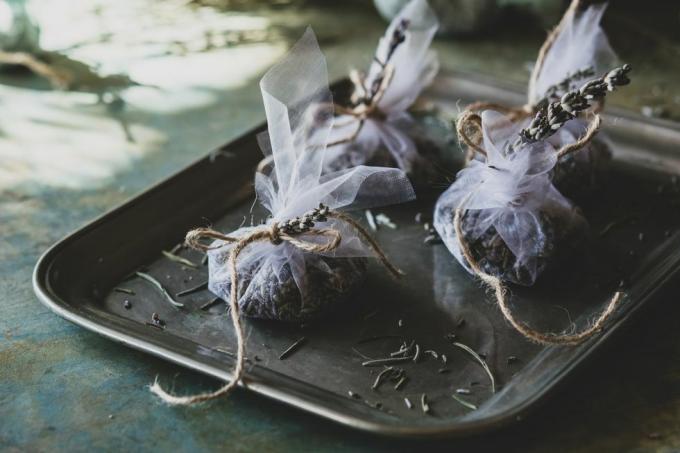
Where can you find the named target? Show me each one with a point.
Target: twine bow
(291, 232)
(366, 100)
(366, 106)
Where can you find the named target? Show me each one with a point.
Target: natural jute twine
(500, 292)
(364, 110)
(469, 129)
(276, 235)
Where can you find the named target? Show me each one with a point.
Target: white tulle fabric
(414, 68)
(510, 189)
(297, 100)
(581, 43)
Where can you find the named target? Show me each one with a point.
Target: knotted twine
(363, 110)
(469, 129)
(500, 292)
(277, 233)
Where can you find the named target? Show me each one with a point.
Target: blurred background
(108, 83)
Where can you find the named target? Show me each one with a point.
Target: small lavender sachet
(298, 275)
(515, 221)
(375, 126)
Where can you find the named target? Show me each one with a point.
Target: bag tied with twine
(308, 254)
(516, 222)
(377, 128)
(497, 216)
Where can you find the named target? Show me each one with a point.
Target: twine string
(276, 235)
(469, 129)
(593, 128)
(500, 293)
(470, 121)
(364, 110)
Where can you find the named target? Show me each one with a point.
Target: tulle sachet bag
(374, 126)
(576, 51)
(516, 223)
(503, 218)
(309, 255)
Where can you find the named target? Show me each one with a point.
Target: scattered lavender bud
(383, 220)
(156, 320)
(432, 239)
(371, 220)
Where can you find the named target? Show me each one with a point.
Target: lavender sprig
(554, 115)
(398, 37)
(565, 84)
(306, 221)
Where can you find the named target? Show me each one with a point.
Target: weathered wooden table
(65, 158)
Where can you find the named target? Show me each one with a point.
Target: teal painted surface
(62, 388)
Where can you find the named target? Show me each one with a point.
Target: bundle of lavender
(309, 255)
(374, 126)
(574, 52)
(503, 218)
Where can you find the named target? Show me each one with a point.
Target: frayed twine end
(190, 400)
(166, 397)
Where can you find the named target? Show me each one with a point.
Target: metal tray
(75, 278)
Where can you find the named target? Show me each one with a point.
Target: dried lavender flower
(554, 115)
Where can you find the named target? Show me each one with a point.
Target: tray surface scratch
(634, 218)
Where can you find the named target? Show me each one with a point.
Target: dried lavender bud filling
(265, 295)
(561, 239)
(578, 174)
